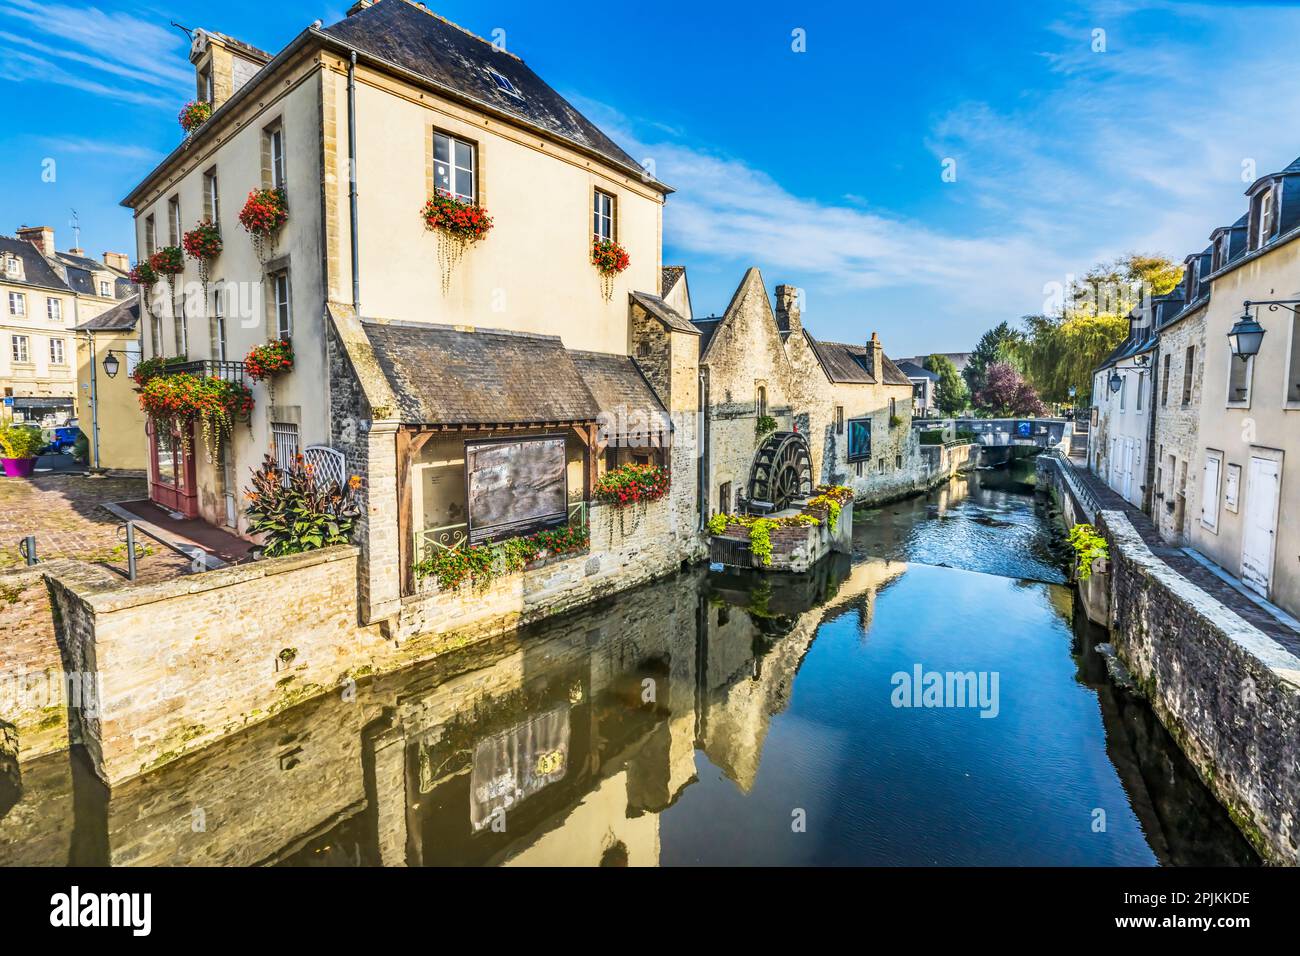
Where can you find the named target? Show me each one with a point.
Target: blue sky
(822, 167)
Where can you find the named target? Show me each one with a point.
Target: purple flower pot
(18, 467)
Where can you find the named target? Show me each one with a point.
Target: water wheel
(781, 472)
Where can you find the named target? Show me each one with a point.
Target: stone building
(477, 390)
(44, 295)
(780, 402)
(1180, 366)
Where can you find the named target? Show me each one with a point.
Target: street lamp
(1247, 335)
(1115, 382)
(110, 364)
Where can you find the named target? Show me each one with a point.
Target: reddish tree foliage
(1006, 393)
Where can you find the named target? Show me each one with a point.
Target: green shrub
(20, 441)
(1089, 546)
(298, 513)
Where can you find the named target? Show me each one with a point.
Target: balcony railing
(210, 368)
(452, 537)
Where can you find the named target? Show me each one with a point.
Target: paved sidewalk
(65, 513)
(1187, 566)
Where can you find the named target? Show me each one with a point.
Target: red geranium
(167, 261)
(609, 257)
(265, 211)
(464, 220)
(263, 361)
(629, 484)
(194, 114)
(203, 242)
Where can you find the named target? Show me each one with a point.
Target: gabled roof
(852, 364)
(664, 312)
(442, 375)
(120, 318)
(668, 277)
(912, 370)
(37, 270)
(424, 43)
(616, 383)
(87, 263)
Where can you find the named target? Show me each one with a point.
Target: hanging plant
(176, 401)
(193, 115)
(167, 261)
(203, 244)
(142, 274)
(265, 361)
(459, 224)
(151, 367)
(610, 259)
(265, 211)
(629, 484)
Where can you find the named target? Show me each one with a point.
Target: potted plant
(19, 446)
(193, 115)
(458, 223)
(203, 244)
(297, 511)
(610, 259)
(264, 213)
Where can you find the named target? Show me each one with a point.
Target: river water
(934, 699)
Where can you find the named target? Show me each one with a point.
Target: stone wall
(1177, 486)
(33, 684)
(184, 662)
(1228, 693)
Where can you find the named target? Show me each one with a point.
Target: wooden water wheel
(781, 472)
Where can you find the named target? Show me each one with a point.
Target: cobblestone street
(64, 512)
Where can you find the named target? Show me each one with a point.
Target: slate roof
(707, 326)
(443, 376)
(668, 277)
(912, 370)
(616, 382)
(424, 43)
(120, 318)
(86, 263)
(37, 270)
(664, 312)
(851, 364)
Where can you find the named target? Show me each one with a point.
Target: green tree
(1058, 352)
(1001, 343)
(950, 395)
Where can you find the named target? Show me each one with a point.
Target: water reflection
(691, 721)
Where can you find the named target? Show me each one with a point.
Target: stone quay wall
(182, 663)
(1227, 692)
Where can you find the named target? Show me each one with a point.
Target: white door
(1259, 532)
(1210, 493)
(228, 475)
(1128, 468)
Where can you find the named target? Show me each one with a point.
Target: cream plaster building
(44, 295)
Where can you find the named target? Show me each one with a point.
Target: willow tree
(1061, 351)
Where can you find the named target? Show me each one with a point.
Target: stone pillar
(788, 316)
(377, 529)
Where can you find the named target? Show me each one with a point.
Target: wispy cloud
(116, 56)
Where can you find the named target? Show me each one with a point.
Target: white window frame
(213, 196)
(1213, 499)
(1265, 225)
(219, 323)
(454, 167)
(58, 352)
(53, 309)
(282, 304)
(150, 236)
(287, 442)
(276, 146)
(603, 215)
(175, 227)
(105, 289)
(20, 348)
(13, 266)
(1230, 402)
(17, 303)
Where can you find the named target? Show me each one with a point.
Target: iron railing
(452, 537)
(1078, 487)
(234, 372)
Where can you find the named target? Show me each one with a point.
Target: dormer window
(1189, 280)
(1221, 251)
(13, 266)
(1263, 218)
(504, 85)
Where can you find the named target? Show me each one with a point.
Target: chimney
(117, 260)
(787, 309)
(76, 251)
(358, 7)
(42, 237)
(875, 357)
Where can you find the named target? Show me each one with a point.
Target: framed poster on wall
(515, 485)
